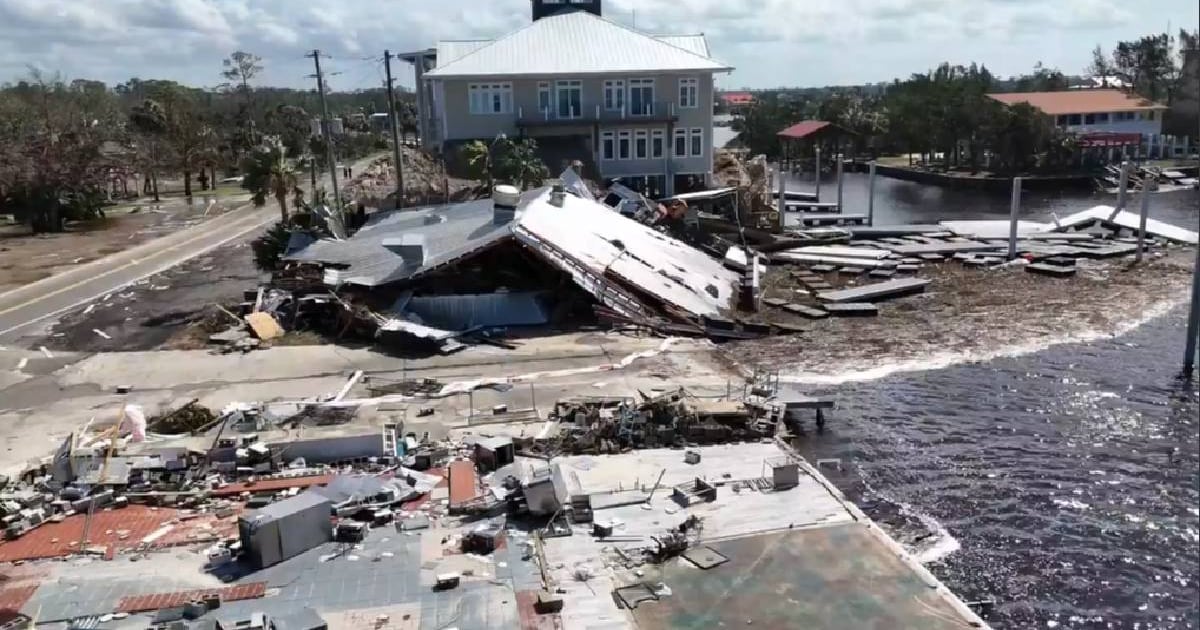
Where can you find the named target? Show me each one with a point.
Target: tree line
(68, 148)
(947, 110)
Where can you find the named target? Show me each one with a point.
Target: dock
(875, 291)
(812, 219)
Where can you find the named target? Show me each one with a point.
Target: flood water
(1063, 484)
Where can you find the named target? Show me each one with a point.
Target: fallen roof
(446, 232)
(575, 43)
(1079, 101)
(1129, 220)
(609, 244)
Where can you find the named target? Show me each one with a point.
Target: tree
(1101, 65)
(239, 68)
(477, 156)
(149, 120)
(267, 173)
(519, 164)
(1148, 65)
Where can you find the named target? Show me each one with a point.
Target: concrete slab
(852, 309)
(1056, 271)
(805, 311)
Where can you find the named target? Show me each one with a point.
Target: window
(1102, 118)
(1062, 120)
(623, 145)
(1089, 119)
(657, 140)
(1150, 115)
(689, 92)
(681, 143)
(490, 98)
(697, 142)
(608, 146)
(1074, 119)
(569, 98)
(641, 144)
(614, 95)
(641, 97)
(544, 97)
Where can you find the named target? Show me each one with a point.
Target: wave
(937, 360)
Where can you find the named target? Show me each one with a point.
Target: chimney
(409, 247)
(504, 203)
(546, 8)
(558, 194)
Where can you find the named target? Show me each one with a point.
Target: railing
(651, 111)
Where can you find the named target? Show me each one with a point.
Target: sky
(771, 43)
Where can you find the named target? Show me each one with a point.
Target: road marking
(132, 263)
(159, 269)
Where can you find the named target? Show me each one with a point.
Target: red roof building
(737, 99)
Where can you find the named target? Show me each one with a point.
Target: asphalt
(25, 310)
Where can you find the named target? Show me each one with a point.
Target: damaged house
(519, 259)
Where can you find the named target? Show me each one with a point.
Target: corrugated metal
(463, 312)
(452, 49)
(695, 44)
(575, 43)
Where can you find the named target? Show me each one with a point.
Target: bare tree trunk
(283, 211)
(154, 180)
(212, 176)
(187, 183)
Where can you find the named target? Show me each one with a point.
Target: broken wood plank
(916, 249)
(805, 311)
(876, 291)
(264, 325)
(1050, 270)
(852, 309)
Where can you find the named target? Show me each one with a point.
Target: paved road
(23, 310)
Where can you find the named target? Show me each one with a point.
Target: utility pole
(387, 66)
(326, 131)
(1193, 325)
(1013, 213)
(1147, 188)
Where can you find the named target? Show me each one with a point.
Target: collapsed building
(543, 257)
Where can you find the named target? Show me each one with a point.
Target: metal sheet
(463, 312)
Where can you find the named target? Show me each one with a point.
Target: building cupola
(543, 8)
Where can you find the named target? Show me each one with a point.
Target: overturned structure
(520, 259)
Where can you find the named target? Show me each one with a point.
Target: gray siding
(460, 124)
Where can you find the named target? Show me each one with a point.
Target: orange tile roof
(1079, 101)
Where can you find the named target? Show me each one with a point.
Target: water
(1064, 484)
(909, 202)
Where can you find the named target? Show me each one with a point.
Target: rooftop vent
(410, 247)
(504, 203)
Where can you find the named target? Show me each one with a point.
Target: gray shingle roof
(448, 231)
(577, 43)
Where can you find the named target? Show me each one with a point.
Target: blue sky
(770, 42)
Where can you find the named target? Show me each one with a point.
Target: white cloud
(771, 42)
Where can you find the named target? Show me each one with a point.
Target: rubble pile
(188, 418)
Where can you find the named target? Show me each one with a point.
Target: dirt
(425, 182)
(26, 258)
(965, 311)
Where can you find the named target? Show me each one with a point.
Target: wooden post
(1012, 219)
(1123, 185)
(871, 195)
(839, 182)
(817, 171)
(1147, 188)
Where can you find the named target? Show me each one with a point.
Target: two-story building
(630, 105)
(1104, 117)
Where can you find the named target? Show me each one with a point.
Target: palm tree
(268, 173)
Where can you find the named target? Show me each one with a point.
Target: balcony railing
(655, 111)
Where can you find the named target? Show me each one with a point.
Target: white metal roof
(453, 49)
(577, 43)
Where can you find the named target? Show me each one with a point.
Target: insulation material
(609, 244)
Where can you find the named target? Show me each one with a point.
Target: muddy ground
(967, 311)
(26, 258)
(160, 311)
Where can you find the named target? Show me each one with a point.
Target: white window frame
(624, 144)
(689, 92)
(696, 142)
(567, 85)
(608, 146)
(641, 144)
(489, 99)
(681, 133)
(658, 143)
(614, 95)
(648, 105)
(545, 91)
